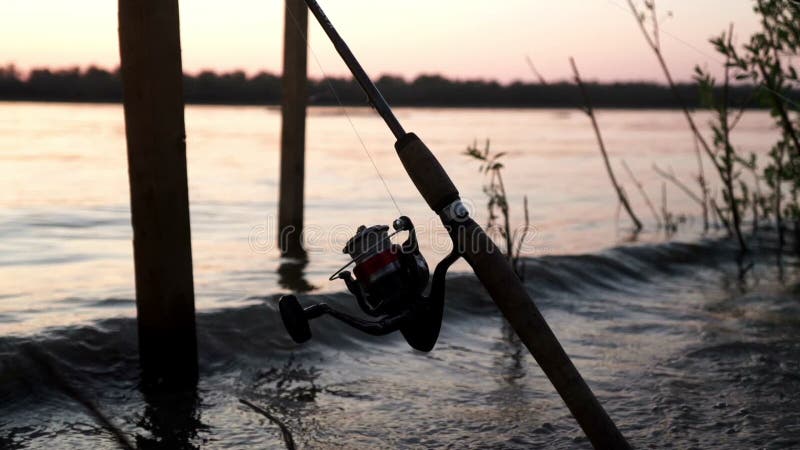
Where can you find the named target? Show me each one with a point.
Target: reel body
(389, 283)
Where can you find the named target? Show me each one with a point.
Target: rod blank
(375, 97)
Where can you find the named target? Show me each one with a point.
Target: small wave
(257, 331)
(622, 268)
(112, 303)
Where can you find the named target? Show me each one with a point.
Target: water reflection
(10, 442)
(172, 420)
(64, 217)
(280, 393)
(779, 265)
(630, 237)
(743, 265)
(289, 386)
(511, 357)
(291, 275)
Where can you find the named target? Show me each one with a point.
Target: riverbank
(97, 85)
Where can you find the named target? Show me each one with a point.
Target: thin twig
(643, 192)
(519, 267)
(756, 197)
(755, 214)
(51, 371)
(674, 180)
(504, 211)
(778, 196)
(590, 112)
(742, 108)
(287, 434)
(729, 151)
(536, 73)
(655, 46)
(669, 224)
(725, 222)
(701, 180)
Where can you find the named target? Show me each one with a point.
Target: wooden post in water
(293, 130)
(150, 53)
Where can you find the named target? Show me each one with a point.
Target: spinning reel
(389, 283)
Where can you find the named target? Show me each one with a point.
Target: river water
(685, 347)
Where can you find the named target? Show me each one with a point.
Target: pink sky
(459, 39)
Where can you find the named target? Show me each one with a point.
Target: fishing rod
(373, 94)
(470, 242)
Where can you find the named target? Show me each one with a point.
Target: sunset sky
(459, 39)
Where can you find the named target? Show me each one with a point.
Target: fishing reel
(389, 284)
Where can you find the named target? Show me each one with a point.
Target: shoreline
(277, 106)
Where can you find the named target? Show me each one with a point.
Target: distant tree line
(99, 85)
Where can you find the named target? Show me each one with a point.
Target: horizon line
(24, 75)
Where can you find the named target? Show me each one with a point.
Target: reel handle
(294, 318)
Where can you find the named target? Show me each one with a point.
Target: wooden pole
(150, 53)
(293, 128)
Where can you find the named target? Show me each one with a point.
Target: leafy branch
(499, 222)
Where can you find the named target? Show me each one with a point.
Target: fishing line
(674, 37)
(341, 106)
